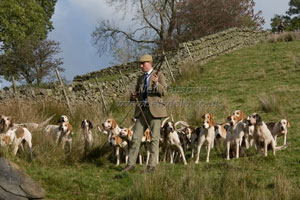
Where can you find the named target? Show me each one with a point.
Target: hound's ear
(60, 120)
(70, 127)
(114, 123)
(229, 118)
(82, 124)
(203, 117)
(11, 122)
(226, 127)
(129, 132)
(216, 128)
(258, 119)
(242, 116)
(211, 122)
(90, 124)
(212, 116)
(288, 124)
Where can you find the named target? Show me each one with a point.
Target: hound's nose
(231, 123)
(282, 128)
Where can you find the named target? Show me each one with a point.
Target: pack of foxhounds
(238, 133)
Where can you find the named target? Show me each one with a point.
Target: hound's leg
(126, 154)
(171, 155)
(228, 150)
(182, 153)
(208, 151)
(30, 148)
(275, 139)
(16, 147)
(140, 157)
(148, 153)
(200, 143)
(284, 139)
(237, 148)
(266, 148)
(118, 155)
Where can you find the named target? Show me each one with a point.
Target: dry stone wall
(111, 84)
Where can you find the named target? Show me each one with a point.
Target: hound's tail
(44, 123)
(281, 147)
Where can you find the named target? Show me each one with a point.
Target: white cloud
(94, 9)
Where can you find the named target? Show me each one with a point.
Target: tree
(156, 24)
(20, 20)
(198, 18)
(292, 18)
(32, 60)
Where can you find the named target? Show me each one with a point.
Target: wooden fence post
(124, 84)
(102, 98)
(14, 85)
(168, 66)
(188, 50)
(64, 91)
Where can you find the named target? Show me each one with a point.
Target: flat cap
(146, 58)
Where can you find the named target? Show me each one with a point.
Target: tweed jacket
(155, 92)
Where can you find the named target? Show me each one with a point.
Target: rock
(16, 184)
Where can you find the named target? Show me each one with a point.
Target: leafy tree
(156, 23)
(20, 20)
(197, 18)
(291, 20)
(32, 60)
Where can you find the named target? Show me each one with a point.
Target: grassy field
(262, 78)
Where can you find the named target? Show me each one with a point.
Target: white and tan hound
(263, 134)
(61, 133)
(279, 129)
(86, 129)
(114, 139)
(30, 125)
(170, 139)
(235, 134)
(207, 134)
(14, 136)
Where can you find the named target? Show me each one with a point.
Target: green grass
(239, 80)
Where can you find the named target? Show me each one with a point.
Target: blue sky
(75, 20)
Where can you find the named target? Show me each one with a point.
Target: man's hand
(154, 78)
(133, 96)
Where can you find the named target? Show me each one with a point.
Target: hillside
(263, 78)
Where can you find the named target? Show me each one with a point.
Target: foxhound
(114, 139)
(14, 136)
(29, 125)
(248, 132)
(170, 139)
(235, 134)
(279, 129)
(262, 134)
(86, 129)
(207, 134)
(61, 133)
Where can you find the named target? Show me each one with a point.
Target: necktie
(145, 88)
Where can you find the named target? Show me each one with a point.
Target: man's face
(146, 66)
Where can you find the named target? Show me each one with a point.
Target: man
(280, 27)
(150, 108)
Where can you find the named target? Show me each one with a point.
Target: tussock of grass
(269, 103)
(189, 70)
(284, 37)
